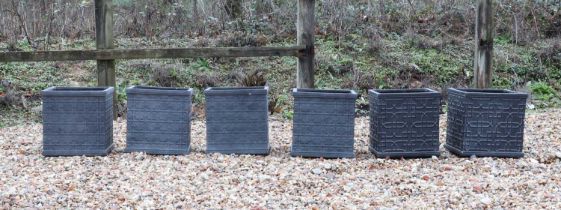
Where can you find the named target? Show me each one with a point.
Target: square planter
(323, 123)
(404, 123)
(236, 120)
(159, 120)
(485, 123)
(77, 121)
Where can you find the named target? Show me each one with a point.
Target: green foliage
(353, 45)
(503, 39)
(519, 64)
(554, 73)
(198, 96)
(340, 63)
(550, 56)
(82, 44)
(445, 108)
(252, 78)
(361, 103)
(121, 91)
(542, 91)
(441, 65)
(202, 65)
(283, 99)
(33, 77)
(23, 44)
(288, 114)
(122, 2)
(544, 95)
(502, 82)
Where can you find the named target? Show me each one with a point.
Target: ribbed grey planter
(77, 121)
(159, 120)
(323, 123)
(404, 123)
(485, 123)
(236, 120)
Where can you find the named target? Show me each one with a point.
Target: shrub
(542, 91)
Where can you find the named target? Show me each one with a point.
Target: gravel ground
(198, 180)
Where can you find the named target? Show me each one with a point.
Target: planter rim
(77, 91)
(255, 90)
(416, 91)
(159, 90)
(487, 92)
(323, 93)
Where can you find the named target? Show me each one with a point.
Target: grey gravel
(278, 181)
(316, 171)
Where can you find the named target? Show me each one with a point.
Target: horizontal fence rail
(170, 53)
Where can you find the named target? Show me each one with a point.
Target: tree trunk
(483, 44)
(23, 24)
(305, 31)
(233, 8)
(262, 6)
(104, 40)
(382, 8)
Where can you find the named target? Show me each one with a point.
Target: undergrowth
(355, 62)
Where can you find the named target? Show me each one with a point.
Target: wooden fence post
(305, 31)
(104, 40)
(483, 44)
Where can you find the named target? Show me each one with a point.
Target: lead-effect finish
(324, 123)
(404, 123)
(159, 120)
(237, 120)
(77, 121)
(486, 122)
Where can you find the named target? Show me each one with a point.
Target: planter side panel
(158, 123)
(374, 143)
(323, 127)
(455, 123)
(237, 124)
(74, 126)
(494, 124)
(486, 125)
(405, 125)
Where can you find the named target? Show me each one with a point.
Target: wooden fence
(105, 53)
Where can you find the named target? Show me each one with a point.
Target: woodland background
(360, 44)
